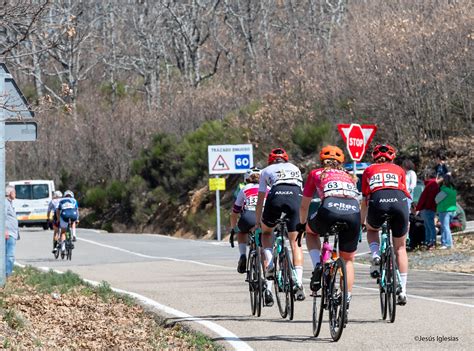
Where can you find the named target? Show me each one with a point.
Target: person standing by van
(12, 232)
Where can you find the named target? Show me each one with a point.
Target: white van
(32, 200)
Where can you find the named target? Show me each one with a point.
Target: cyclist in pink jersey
(338, 192)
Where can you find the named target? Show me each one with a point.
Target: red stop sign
(356, 142)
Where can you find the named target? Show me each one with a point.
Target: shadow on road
(286, 338)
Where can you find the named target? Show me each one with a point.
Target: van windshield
(32, 191)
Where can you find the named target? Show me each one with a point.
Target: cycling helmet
(57, 193)
(250, 173)
(383, 150)
(276, 154)
(69, 193)
(331, 152)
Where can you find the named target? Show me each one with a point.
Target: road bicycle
(69, 246)
(333, 282)
(254, 272)
(389, 279)
(284, 273)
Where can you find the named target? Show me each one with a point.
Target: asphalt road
(199, 278)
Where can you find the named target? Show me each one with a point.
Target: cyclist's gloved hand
(301, 227)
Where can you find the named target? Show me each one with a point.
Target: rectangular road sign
(216, 184)
(230, 159)
(21, 131)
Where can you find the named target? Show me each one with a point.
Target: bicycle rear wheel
(337, 299)
(318, 317)
(391, 284)
(69, 249)
(282, 284)
(259, 293)
(290, 293)
(252, 279)
(382, 280)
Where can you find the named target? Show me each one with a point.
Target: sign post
(357, 138)
(13, 105)
(226, 159)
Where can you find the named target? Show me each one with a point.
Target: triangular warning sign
(220, 164)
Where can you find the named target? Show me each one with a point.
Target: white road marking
(226, 334)
(149, 256)
(423, 298)
(232, 268)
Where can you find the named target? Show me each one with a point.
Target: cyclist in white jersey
(54, 222)
(285, 182)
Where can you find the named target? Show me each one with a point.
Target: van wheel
(45, 226)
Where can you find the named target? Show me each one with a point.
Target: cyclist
(337, 190)
(384, 192)
(67, 210)
(245, 206)
(54, 223)
(285, 182)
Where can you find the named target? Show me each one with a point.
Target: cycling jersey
(280, 173)
(380, 176)
(246, 199)
(330, 182)
(52, 207)
(68, 209)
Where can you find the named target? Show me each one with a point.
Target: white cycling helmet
(69, 193)
(251, 172)
(58, 193)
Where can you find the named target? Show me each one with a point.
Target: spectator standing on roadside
(427, 207)
(446, 207)
(411, 178)
(12, 233)
(441, 168)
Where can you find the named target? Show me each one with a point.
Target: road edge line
(226, 334)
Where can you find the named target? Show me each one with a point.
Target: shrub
(96, 198)
(310, 136)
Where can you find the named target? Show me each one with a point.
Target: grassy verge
(55, 311)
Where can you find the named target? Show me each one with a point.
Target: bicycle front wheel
(382, 280)
(337, 299)
(391, 284)
(252, 272)
(318, 317)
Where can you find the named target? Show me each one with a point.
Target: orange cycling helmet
(331, 152)
(384, 150)
(277, 153)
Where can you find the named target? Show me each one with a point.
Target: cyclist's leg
(73, 230)
(377, 208)
(244, 225)
(267, 242)
(291, 206)
(62, 227)
(399, 226)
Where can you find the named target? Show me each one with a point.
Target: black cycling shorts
(338, 209)
(283, 198)
(392, 202)
(247, 221)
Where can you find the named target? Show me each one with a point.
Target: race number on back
(383, 179)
